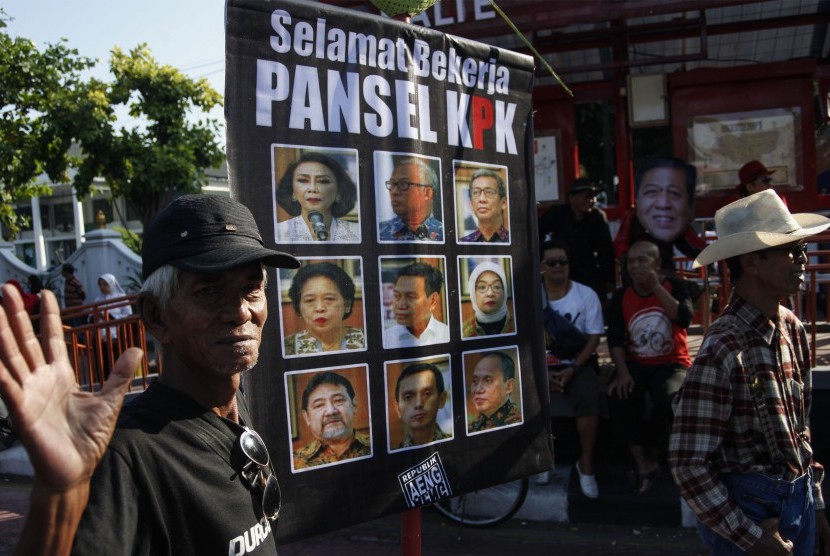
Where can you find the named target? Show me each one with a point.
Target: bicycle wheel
(487, 507)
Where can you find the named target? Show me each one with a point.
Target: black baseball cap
(583, 184)
(206, 233)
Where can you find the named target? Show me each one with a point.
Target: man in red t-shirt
(647, 324)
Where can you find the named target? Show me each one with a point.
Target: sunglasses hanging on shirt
(258, 474)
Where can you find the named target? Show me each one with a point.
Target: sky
(186, 34)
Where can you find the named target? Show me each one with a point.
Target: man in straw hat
(182, 473)
(740, 446)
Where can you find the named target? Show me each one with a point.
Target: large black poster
(401, 363)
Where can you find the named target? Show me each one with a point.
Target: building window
(26, 253)
(64, 218)
(58, 251)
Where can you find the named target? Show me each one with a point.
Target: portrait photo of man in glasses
(487, 196)
(182, 472)
(414, 195)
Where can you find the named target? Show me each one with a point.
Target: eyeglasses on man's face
(766, 180)
(404, 185)
(562, 261)
(257, 473)
(795, 250)
(486, 192)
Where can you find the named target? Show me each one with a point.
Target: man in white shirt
(417, 293)
(573, 374)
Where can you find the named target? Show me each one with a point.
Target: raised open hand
(64, 430)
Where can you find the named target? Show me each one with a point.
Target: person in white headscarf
(488, 296)
(110, 289)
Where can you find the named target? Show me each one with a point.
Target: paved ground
(382, 537)
(439, 538)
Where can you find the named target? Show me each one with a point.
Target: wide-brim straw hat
(757, 222)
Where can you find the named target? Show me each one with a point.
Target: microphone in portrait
(318, 224)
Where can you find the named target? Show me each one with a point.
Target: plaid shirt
(717, 428)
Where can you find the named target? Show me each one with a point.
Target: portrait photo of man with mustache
(329, 406)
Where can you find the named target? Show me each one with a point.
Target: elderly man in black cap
(182, 473)
(584, 228)
(740, 449)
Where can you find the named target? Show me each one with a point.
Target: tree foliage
(41, 98)
(167, 152)
(46, 107)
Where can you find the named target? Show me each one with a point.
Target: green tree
(168, 151)
(44, 105)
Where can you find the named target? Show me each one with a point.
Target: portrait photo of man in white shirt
(417, 298)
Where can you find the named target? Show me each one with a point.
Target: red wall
(694, 93)
(719, 91)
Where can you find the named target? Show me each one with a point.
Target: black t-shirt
(167, 485)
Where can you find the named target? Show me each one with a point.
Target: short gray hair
(427, 171)
(161, 285)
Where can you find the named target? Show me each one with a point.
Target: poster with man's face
(663, 205)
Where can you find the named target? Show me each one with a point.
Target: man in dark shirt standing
(584, 229)
(183, 473)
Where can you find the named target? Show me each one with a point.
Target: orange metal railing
(94, 340)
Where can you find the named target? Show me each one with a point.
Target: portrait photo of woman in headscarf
(318, 195)
(490, 311)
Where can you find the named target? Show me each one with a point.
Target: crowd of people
(731, 425)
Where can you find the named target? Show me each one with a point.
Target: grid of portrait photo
(406, 273)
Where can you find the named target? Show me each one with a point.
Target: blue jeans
(760, 498)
